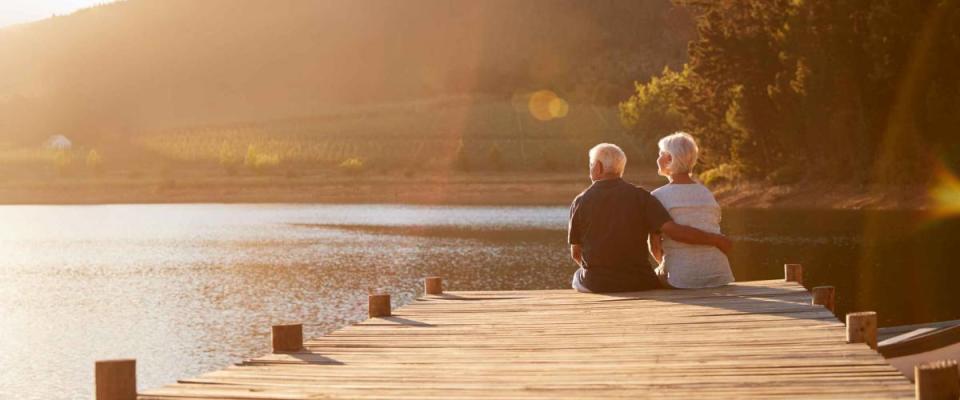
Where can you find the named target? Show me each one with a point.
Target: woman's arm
(655, 243)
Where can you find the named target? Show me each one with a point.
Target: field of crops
(465, 132)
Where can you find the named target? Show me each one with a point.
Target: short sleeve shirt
(611, 221)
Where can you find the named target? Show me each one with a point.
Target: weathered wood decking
(755, 339)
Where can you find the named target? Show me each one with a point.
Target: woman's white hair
(612, 157)
(683, 152)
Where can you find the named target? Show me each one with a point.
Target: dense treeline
(867, 91)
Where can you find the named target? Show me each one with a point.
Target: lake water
(191, 288)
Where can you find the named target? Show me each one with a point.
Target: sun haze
(14, 12)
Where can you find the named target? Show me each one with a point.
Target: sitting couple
(612, 222)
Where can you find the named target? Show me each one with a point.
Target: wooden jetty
(761, 339)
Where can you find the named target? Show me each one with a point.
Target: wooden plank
(754, 339)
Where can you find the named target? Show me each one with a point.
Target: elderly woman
(689, 203)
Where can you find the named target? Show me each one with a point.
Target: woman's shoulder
(660, 190)
(682, 188)
(685, 194)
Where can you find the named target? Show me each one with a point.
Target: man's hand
(576, 253)
(686, 234)
(724, 244)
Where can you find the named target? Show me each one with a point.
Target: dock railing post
(379, 305)
(287, 338)
(862, 328)
(823, 296)
(937, 380)
(793, 273)
(115, 379)
(433, 285)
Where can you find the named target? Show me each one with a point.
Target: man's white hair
(612, 157)
(683, 152)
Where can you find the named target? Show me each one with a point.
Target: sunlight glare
(545, 105)
(945, 194)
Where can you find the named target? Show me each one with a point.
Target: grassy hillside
(139, 65)
(464, 133)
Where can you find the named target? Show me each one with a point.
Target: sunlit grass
(422, 134)
(10, 154)
(463, 133)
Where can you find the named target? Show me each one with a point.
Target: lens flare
(545, 105)
(558, 108)
(945, 194)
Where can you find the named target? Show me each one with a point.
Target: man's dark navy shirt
(611, 221)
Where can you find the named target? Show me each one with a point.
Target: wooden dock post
(937, 380)
(823, 296)
(287, 338)
(862, 328)
(433, 285)
(793, 273)
(115, 379)
(379, 305)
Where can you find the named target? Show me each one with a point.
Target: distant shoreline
(823, 196)
(526, 188)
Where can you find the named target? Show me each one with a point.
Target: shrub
(250, 160)
(264, 161)
(229, 158)
(62, 160)
(258, 162)
(785, 175)
(94, 162)
(719, 174)
(352, 166)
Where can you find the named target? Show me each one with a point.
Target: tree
(653, 110)
(94, 161)
(229, 159)
(869, 88)
(62, 160)
(250, 159)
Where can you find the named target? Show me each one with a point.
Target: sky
(20, 11)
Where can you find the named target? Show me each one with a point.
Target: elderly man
(609, 224)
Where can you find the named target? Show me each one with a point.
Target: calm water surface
(190, 288)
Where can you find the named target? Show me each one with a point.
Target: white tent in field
(58, 142)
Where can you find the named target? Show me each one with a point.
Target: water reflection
(190, 288)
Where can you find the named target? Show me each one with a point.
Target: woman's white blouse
(690, 265)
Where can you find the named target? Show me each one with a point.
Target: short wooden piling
(115, 379)
(937, 380)
(433, 285)
(862, 328)
(793, 273)
(287, 338)
(379, 305)
(823, 296)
